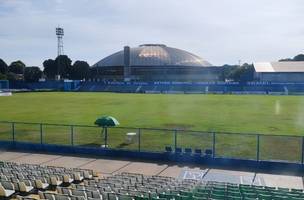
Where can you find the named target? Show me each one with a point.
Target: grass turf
(227, 113)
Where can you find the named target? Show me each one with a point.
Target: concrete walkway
(107, 166)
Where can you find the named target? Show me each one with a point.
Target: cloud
(221, 31)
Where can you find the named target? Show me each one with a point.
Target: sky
(220, 31)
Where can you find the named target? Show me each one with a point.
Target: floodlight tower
(59, 33)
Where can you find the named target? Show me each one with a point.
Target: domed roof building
(154, 55)
(154, 62)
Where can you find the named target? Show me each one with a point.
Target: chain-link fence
(228, 145)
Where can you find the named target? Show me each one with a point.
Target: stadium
(155, 62)
(151, 122)
(186, 135)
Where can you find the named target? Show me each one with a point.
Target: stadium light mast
(59, 33)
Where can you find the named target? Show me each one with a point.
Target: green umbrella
(106, 121)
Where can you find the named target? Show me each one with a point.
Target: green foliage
(32, 74)
(60, 66)
(50, 69)
(3, 76)
(16, 67)
(242, 73)
(299, 57)
(3, 67)
(12, 76)
(238, 73)
(64, 66)
(80, 70)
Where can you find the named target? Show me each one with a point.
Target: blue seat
(198, 152)
(208, 153)
(168, 149)
(188, 151)
(178, 150)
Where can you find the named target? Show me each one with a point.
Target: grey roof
(295, 66)
(154, 55)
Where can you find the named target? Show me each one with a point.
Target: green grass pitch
(216, 113)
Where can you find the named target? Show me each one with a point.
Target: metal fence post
(302, 157)
(13, 131)
(72, 135)
(175, 139)
(213, 145)
(258, 148)
(106, 137)
(41, 139)
(139, 139)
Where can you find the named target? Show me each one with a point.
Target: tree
(12, 76)
(50, 68)
(16, 67)
(80, 70)
(226, 71)
(32, 74)
(299, 57)
(3, 77)
(3, 67)
(64, 67)
(239, 73)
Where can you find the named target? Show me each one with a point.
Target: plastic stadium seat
(198, 152)
(178, 150)
(5, 193)
(40, 185)
(24, 198)
(168, 149)
(67, 179)
(265, 197)
(61, 197)
(208, 152)
(188, 151)
(78, 176)
(22, 187)
(87, 175)
(54, 181)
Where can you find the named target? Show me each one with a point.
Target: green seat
(236, 189)
(283, 189)
(217, 196)
(200, 198)
(264, 197)
(203, 190)
(234, 197)
(293, 194)
(297, 190)
(141, 198)
(249, 195)
(201, 194)
(167, 196)
(186, 193)
(124, 197)
(280, 197)
(219, 192)
(234, 193)
(157, 198)
(182, 197)
(296, 198)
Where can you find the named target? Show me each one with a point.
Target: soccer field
(268, 115)
(228, 113)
